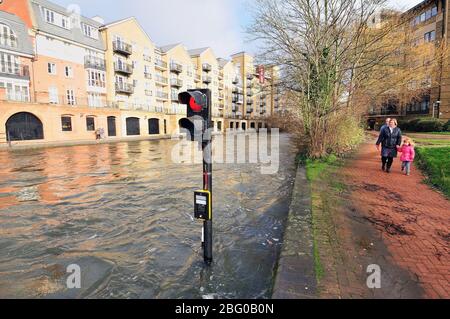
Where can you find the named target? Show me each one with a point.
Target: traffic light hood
(195, 100)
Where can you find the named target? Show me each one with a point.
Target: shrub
(422, 125)
(446, 127)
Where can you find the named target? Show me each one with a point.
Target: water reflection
(125, 210)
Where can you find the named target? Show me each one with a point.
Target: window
(70, 97)
(53, 95)
(90, 123)
(65, 23)
(96, 79)
(7, 36)
(89, 31)
(69, 72)
(66, 123)
(51, 68)
(430, 36)
(49, 16)
(434, 11)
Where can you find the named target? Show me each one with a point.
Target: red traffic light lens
(194, 106)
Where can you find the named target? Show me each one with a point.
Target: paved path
(413, 219)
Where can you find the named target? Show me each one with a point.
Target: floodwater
(124, 213)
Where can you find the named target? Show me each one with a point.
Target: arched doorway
(112, 131)
(153, 126)
(133, 126)
(24, 126)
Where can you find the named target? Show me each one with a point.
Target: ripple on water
(125, 211)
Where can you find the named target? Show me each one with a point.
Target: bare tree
(326, 50)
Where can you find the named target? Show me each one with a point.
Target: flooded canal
(123, 213)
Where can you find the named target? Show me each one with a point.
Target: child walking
(408, 155)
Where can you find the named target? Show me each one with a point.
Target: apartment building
(16, 54)
(64, 77)
(69, 53)
(428, 22)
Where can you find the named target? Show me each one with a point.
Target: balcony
(124, 88)
(176, 82)
(197, 78)
(206, 67)
(123, 68)
(235, 80)
(221, 75)
(249, 101)
(262, 104)
(250, 110)
(221, 106)
(221, 86)
(207, 79)
(162, 95)
(161, 79)
(249, 76)
(148, 93)
(159, 64)
(234, 108)
(249, 93)
(122, 48)
(147, 58)
(174, 97)
(238, 100)
(237, 90)
(92, 62)
(14, 70)
(148, 75)
(263, 111)
(176, 67)
(221, 96)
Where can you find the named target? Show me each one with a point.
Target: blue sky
(219, 24)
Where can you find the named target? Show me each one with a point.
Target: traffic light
(198, 120)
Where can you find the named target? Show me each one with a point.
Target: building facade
(66, 77)
(428, 23)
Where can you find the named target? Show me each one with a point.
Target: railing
(207, 79)
(148, 93)
(147, 58)
(206, 67)
(250, 110)
(221, 86)
(249, 93)
(96, 83)
(176, 82)
(160, 64)
(122, 47)
(249, 101)
(161, 79)
(238, 90)
(249, 76)
(14, 69)
(92, 62)
(419, 112)
(235, 80)
(221, 96)
(162, 95)
(174, 97)
(124, 88)
(176, 67)
(197, 78)
(148, 75)
(123, 68)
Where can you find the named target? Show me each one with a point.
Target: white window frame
(51, 68)
(70, 96)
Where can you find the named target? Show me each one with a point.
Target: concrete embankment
(295, 275)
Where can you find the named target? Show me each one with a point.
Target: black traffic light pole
(207, 180)
(200, 107)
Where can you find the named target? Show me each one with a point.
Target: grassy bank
(318, 172)
(434, 161)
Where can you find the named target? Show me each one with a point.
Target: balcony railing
(174, 97)
(207, 79)
(122, 47)
(176, 67)
(197, 78)
(162, 95)
(124, 68)
(161, 79)
(249, 76)
(96, 83)
(221, 96)
(235, 80)
(124, 88)
(237, 90)
(206, 67)
(176, 82)
(249, 93)
(221, 86)
(14, 70)
(92, 62)
(250, 110)
(249, 101)
(160, 64)
(148, 75)
(238, 100)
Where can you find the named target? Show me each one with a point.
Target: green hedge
(446, 127)
(424, 125)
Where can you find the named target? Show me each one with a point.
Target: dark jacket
(389, 141)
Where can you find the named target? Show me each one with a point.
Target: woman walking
(390, 138)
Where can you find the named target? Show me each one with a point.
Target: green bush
(422, 125)
(434, 162)
(446, 127)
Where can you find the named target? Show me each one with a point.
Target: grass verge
(435, 163)
(317, 171)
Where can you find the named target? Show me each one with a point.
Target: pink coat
(408, 153)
